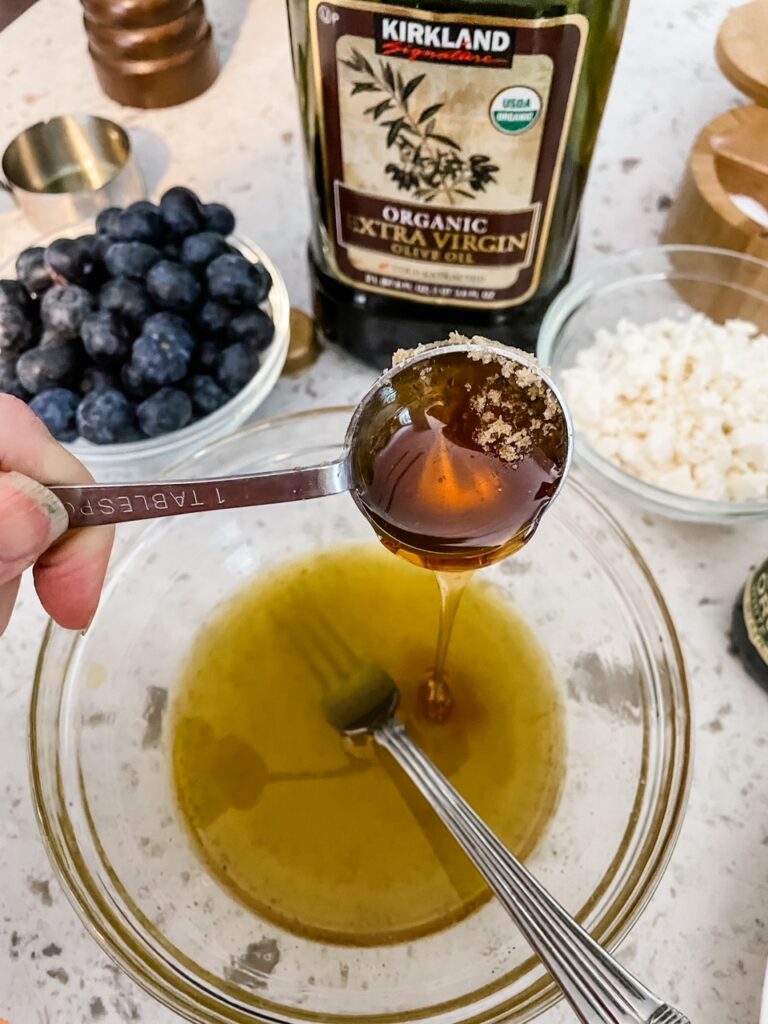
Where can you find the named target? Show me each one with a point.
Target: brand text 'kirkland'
(440, 43)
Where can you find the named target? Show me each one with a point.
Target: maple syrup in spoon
(456, 456)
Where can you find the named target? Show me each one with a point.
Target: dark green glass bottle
(448, 143)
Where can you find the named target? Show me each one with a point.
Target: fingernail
(32, 518)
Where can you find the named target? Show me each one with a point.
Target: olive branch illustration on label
(430, 165)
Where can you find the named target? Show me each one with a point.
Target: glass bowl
(137, 460)
(104, 794)
(643, 286)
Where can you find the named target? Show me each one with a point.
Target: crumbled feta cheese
(679, 404)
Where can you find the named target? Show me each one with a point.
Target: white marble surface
(703, 940)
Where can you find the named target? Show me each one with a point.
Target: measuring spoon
(400, 398)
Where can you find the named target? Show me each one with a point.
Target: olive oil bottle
(448, 144)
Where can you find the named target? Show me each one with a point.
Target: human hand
(68, 573)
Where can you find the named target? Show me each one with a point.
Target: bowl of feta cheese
(662, 355)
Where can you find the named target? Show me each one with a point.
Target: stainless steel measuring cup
(65, 170)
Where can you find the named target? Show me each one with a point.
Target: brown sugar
(511, 424)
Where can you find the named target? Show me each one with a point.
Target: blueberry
(172, 251)
(94, 378)
(41, 368)
(61, 258)
(169, 327)
(206, 357)
(49, 338)
(63, 309)
(173, 286)
(237, 364)
(106, 220)
(16, 329)
(130, 259)
(92, 269)
(88, 246)
(218, 217)
(197, 251)
(181, 194)
(103, 242)
(213, 318)
(32, 270)
(253, 327)
(9, 382)
(106, 416)
(140, 222)
(143, 206)
(74, 260)
(207, 395)
(129, 298)
(106, 337)
(56, 407)
(181, 212)
(168, 409)
(159, 361)
(231, 278)
(133, 383)
(14, 294)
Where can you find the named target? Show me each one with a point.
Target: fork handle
(598, 988)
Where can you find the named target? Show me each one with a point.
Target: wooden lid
(742, 49)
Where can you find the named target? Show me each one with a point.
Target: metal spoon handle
(598, 988)
(99, 504)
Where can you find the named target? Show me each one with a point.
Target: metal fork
(361, 698)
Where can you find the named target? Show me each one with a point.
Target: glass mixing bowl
(668, 281)
(104, 794)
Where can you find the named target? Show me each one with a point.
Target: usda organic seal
(515, 109)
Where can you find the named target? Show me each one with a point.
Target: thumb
(31, 519)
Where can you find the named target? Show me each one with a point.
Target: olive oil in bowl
(324, 836)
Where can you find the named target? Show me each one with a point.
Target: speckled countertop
(703, 940)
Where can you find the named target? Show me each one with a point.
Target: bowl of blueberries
(144, 336)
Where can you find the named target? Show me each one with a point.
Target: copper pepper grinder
(151, 53)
